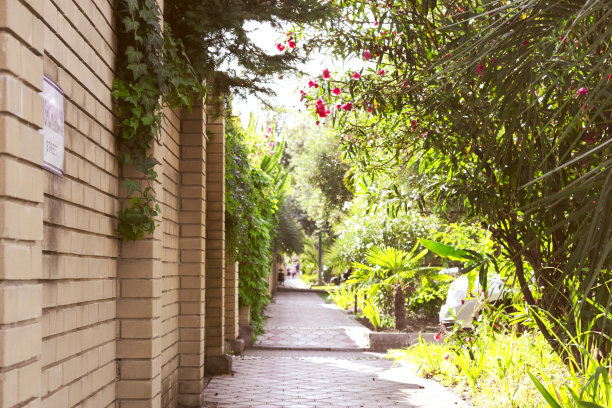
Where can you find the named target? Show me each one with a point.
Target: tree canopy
(216, 39)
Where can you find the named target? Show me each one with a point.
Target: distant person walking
(296, 268)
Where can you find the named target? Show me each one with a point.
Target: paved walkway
(303, 320)
(312, 356)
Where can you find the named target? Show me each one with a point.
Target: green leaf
(587, 404)
(132, 186)
(447, 251)
(547, 397)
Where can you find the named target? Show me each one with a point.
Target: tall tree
(318, 171)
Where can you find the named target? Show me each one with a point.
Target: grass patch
(491, 369)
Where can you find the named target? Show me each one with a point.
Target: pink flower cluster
(268, 132)
(290, 41)
(321, 110)
(347, 106)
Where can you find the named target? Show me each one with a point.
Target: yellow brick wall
(215, 235)
(192, 254)
(170, 206)
(85, 319)
(79, 245)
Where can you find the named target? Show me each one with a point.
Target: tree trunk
(399, 307)
(572, 359)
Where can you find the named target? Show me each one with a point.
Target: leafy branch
(153, 72)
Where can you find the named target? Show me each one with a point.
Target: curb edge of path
(288, 348)
(285, 289)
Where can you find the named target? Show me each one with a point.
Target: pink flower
(462, 301)
(302, 92)
(437, 337)
(413, 123)
(376, 23)
(582, 91)
(526, 42)
(320, 108)
(369, 110)
(291, 44)
(366, 55)
(381, 72)
(446, 357)
(326, 73)
(356, 75)
(317, 123)
(563, 39)
(480, 68)
(347, 106)
(280, 47)
(447, 55)
(609, 76)
(311, 83)
(338, 106)
(269, 129)
(336, 91)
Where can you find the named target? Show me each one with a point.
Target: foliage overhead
(216, 38)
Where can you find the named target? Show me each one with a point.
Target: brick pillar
(216, 361)
(231, 299)
(21, 196)
(233, 343)
(192, 245)
(139, 274)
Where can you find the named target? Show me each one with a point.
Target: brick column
(231, 306)
(21, 196)
(216, 361)
(231, 299)
(192, 245)
(139, 273)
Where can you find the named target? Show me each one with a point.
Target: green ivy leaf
(131, 186)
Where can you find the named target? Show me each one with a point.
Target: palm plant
(289, 237)
(392, 268)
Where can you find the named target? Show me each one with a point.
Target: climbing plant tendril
(153, 72)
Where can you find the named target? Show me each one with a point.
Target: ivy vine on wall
(153, 72)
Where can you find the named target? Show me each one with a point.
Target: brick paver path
(325, 367)
(304, 320)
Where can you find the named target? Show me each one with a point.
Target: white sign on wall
(53, 130)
